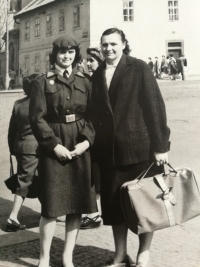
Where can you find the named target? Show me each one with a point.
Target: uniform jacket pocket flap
(51, 88)
(80, 85)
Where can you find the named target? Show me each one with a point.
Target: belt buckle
(70, 118)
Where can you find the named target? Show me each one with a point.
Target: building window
(37, 63)
(76, 16)
(27, 30)
(128, 10)
(26, 64)
(62, 20)
(173, 10)
(49, 24)
(37, 27)
(48, 64)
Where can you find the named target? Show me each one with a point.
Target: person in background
(163, 67)
(129, 117)
(150, 63)
(156, 68)
(23, 145)
(60, 120)
(94, 59)
(181, 63)
(173, 68)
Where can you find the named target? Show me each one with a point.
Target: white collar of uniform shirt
(61, 70)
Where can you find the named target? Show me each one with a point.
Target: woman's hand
(161, 158)
(62, 153)
(80, 149)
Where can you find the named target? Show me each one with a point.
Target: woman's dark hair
(55, 50)
(27, 83)
(127, 49)
(96, 54)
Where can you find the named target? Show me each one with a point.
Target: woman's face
(112, 46)
(92, 64)
(65, 57)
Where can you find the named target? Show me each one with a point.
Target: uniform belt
(66, 118)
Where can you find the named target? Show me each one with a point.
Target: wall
(151, 29)
(43, 44)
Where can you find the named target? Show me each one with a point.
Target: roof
(33, 5)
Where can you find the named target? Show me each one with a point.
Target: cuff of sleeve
(162, 147)
(49, 147)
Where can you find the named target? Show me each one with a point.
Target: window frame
(76, 16)
(49, 23)
(173, 10)
(37, 27)
(128, 8)
(37, 68)
(27, 30)
(26, 68)
(62, 17)
(47, 60)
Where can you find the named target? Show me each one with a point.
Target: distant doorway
(175, 47)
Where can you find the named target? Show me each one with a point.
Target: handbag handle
(144, 173)
(11, 166)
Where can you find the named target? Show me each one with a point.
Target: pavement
(177, 246)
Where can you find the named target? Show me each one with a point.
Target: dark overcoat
(66, 187)
(20, 137)
(129, 118)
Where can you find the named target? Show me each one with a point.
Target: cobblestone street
(177, 246)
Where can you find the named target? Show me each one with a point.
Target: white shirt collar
(116, 62)
(61, 70)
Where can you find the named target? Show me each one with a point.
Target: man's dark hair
(127, 49)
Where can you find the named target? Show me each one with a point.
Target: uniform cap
(65, 42)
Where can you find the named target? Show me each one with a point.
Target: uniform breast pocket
(53, 95)
(81, 94)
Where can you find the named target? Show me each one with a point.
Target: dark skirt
(112, 179)
(26, 169)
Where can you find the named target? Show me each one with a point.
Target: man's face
(112, 46)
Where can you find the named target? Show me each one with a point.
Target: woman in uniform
(60, 122)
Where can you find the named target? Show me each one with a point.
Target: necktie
(66, 74)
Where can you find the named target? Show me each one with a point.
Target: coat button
(67, 111)
(68, 98)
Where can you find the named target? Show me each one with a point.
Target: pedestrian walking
(59, 115)
(150, 63)
(156, 68)
(93, 220)
(164, 68)
(181, 65)
(131, 131)
(23, 145)
(173, 67)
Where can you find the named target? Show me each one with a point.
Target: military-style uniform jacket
(65, 186)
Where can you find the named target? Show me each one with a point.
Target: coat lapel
(103, 86)
(122, 67)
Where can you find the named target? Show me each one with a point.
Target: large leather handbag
(161, 201)
(12, 183)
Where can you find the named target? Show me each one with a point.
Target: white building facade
(153, 28)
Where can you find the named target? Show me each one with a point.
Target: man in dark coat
(181, 64)
(131, 131)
